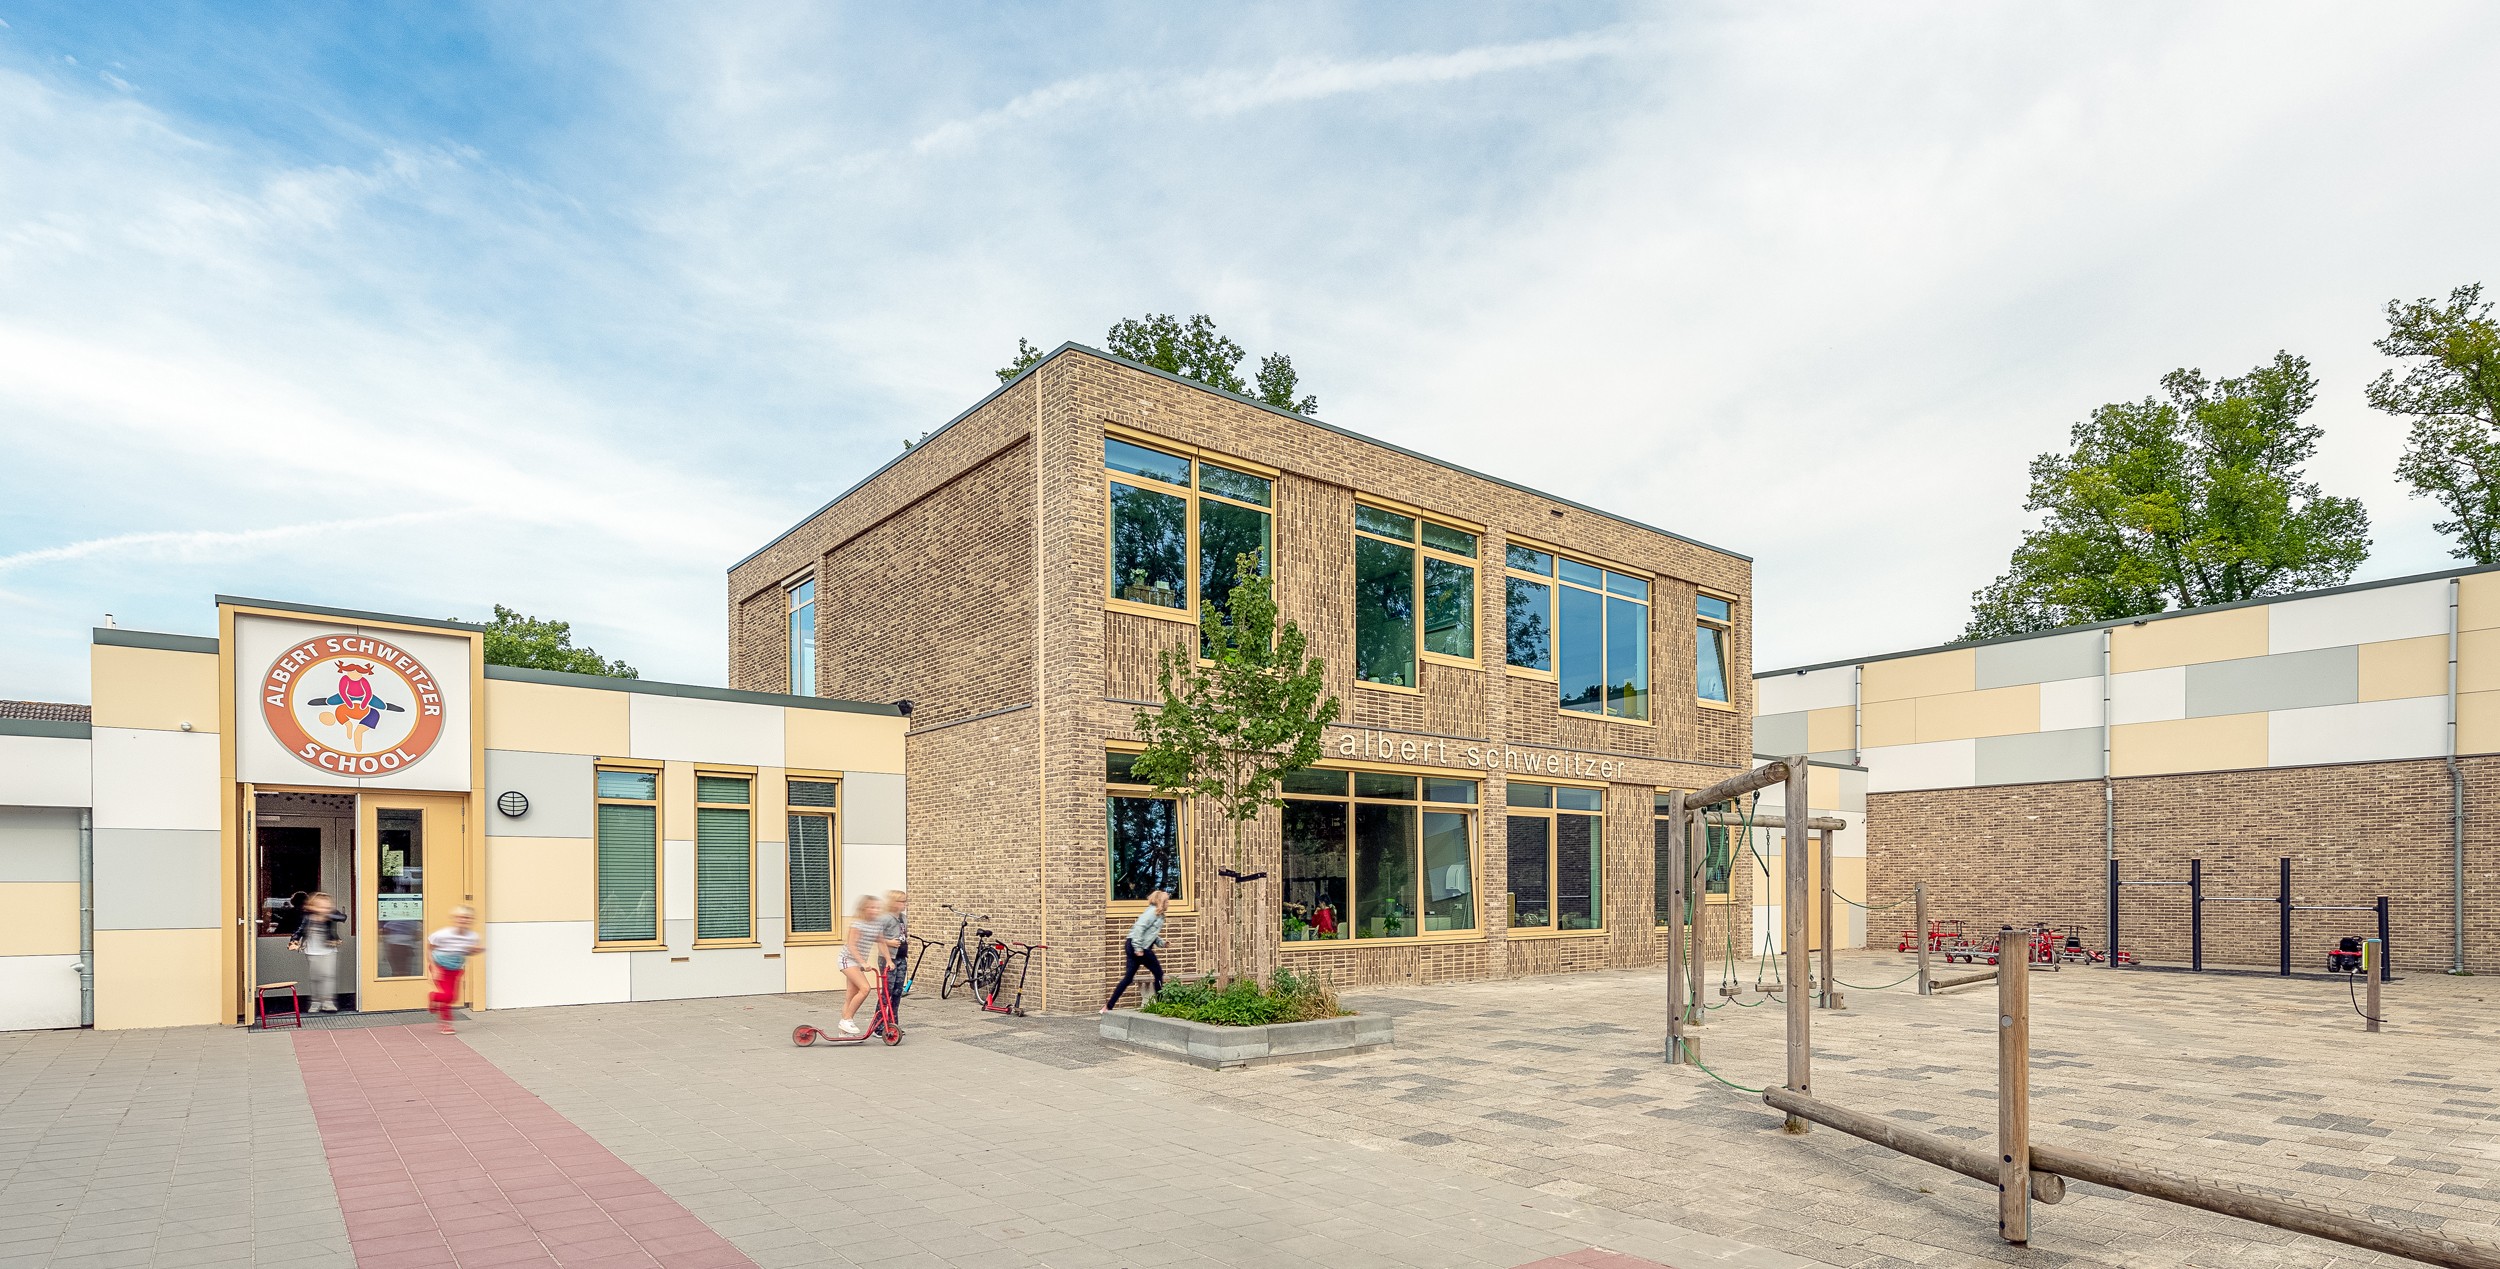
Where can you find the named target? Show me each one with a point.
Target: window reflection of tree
(1149, 546)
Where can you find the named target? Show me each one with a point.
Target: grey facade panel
(2067, 656)
(38, 843)
(2040, 757)
(1780, 733)
(156, 878)
(2288, 680)
(872, 808)
(558, 786)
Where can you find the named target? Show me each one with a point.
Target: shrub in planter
(1286, 997)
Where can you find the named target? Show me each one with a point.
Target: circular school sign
(352, 705)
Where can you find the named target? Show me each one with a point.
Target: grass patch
(1286, 997)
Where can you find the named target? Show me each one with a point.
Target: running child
(450, 948)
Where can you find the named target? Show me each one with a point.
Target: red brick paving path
(1595, 1258)
(441, 1159)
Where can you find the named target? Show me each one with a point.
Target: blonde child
(317, 937)
(449, 950)
(863, 948)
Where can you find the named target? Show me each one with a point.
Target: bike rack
(2281, 899)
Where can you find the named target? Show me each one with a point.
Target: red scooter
(888, 1023)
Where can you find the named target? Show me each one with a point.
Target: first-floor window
(1145, 835)
(1374, 855)
(627, 852)
(815, 837)
(1557, 856)
(724, 858)
(1714, 627)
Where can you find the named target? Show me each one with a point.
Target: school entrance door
(413, 848)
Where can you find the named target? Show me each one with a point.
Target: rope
(1863, 908)
(1863, 987)
(1705, 1069)
(2353, 984)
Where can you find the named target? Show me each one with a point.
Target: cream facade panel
(2478, 722)
(156, 879)
(2416, 727)
(2478, 601)
(813, 968)
(262, 757)
(682, 729)
(38, 918)
(47, 771)
(1831, 730)
(2039, 660)
(1882, 724)
(2227, 742)
(2148, 696)
(2002, 711)
(2066, 704)
(1814, 689)
(544, 718)
(156, 779)
(38, 993)
(539, 879)
(1934, 674)
(834, 740)
(559, 787)
(2405, 667)
(2478, 660)
(2165, 641)
(1950, 764)
(2363, 616)
(153, 689)
(677, 801)
(38, 843)
(156, 978)
(550, 963)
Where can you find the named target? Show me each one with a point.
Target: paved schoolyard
(1515, 1123)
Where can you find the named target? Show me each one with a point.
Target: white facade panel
(2069, 704)
(677, 886)
(2148, 696)
(399, 668)
(46, 771)
(727, 971)
(1940, 764)
(38, 992)
(155, 779)
(869, 868)
(872, 808)
(688, 730)
(2363, 616)
(550, 963)
(1815, 689)
(2372, 731)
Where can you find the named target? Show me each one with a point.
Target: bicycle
(976, 961)
(1016, 952)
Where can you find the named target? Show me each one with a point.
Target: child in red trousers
(450, 948)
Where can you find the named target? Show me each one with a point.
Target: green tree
(1193, 350)
(1229, 729)
(2452, 395)
(537, 644)
(2193, 498)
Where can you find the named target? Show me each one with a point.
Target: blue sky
(423, 308)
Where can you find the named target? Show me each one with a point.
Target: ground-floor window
(628, 856)
(1557, 853)
(1145, 831)
(1714, 865)
(815, 837)
(724, 858)
(1371, 855)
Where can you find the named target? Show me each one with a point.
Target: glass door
(409, 853)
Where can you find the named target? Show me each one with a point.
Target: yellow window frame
(1727, 649)
(659, 852)
(1190, 496)
(1474, 811)
(833, 855)
(1553, 860)
(754, 934)
(1187, 902)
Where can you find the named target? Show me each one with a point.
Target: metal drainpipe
(2456, 791)
(86, 918)
(2109, 794)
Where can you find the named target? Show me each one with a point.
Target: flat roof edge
(349, 614)
(55, 728)
(689, 691)
(116, 637)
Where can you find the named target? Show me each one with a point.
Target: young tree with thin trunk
(1232, 723)
(2451, 392)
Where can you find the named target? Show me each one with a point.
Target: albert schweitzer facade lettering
(1521, 678)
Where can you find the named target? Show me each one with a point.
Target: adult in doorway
(1139, 948)
(317, 937)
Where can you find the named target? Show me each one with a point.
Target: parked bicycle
(977, 960)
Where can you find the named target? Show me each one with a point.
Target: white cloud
(198, 544)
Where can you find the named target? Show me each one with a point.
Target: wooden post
(1677, 896)
(1696, 861)
(1831, 983)
(1918, 908)
(1793, 937)
(2013, 1088)
(2371, 951)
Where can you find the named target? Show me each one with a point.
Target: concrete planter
(1204, 1044)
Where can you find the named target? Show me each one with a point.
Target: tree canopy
(535, 643)
(2451, 392)
(1193, 350)
(2191, 498)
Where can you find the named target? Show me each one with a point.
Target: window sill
(1175, 615)
(716, 945)
(1616, 719)
(653, 945)
(1129, 908)
(808, 940)
(1711, 704)
(1539, 932)
(1389, 687)
(1526, 672)
(1318, 945)
(1457, 663)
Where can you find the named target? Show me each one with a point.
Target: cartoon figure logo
(352, 705)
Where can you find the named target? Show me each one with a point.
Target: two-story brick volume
(1522, 676)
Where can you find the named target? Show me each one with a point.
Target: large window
(1146, 851)
(803, 638)
(1414, 595)
(724, 859)
(1179, 526)
(1714, 865)
(628, 855)
(1371, 855)
(1714, 627)
(1557, 856)
(815, 859)
(1586, 625)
